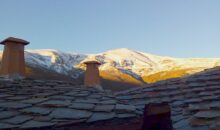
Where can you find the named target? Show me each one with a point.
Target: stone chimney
(157, 116)
(13, 62)
(92, 77)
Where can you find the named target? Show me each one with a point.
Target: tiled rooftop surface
(194, 101)
(36, 104)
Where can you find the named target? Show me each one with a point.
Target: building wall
(92, 75)
(13, 59)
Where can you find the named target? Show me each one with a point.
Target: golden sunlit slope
(169, 74)
(114, 74)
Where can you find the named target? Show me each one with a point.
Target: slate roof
(36, 104)
(194, 101)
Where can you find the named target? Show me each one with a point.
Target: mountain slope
(60, 62)
(119, 65)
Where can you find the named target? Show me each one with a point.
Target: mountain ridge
(136, 66)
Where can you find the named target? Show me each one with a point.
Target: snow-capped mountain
(60, 62)
(139, 64)
(133, 63)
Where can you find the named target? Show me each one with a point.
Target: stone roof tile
(98, 116)
(36, 124)
(66, 113)
(19, 119)
(37, 110)
(104, 108)
(208, 114)
(82, 106)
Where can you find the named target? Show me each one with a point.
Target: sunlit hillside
(169, 74)
(123, 67)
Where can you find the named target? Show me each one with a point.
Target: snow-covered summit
(134, 63)
(55, 60)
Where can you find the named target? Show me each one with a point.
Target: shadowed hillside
(107, 83)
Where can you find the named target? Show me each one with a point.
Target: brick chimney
(92, 77)
(13, 62)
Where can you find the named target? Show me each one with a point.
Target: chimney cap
(92, 62)
(15, 40)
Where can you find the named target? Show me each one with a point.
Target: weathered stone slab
(17, 98)
(98, 116)
(61, 97)
(126, 115)
(5, 95)
(56, 103)
(193, 107)
(209, 98)
(178, 97)
(45, 118)
(14, 105)
(177, 118)
(215, 126)
(18, 119)
(72, 93)
(139, 112)
(140, 107)
(205, 93)
(124, 97)
(36, 124)
(67, 122)
(104, 108)
(208, 114)
(7, 126)
(215, 105)
(140, 102)
(81, 94)
(177, 103)
(7, 114)
(92, 101)
(124, 108)
(194, 128)
(97, 96)
(168, 99)
(148, 90)
(37, 110)
(45, 94)
(65, 113)
(195, 100)
(181, 124)
(82, 106)
(35, 100)
(108, 102)
(176, 109)
(198, 121)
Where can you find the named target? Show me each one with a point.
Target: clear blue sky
(178, 28)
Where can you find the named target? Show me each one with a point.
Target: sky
(177, 28)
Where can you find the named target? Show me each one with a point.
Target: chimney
(157, 116)
(13, 62)
(92, 74)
